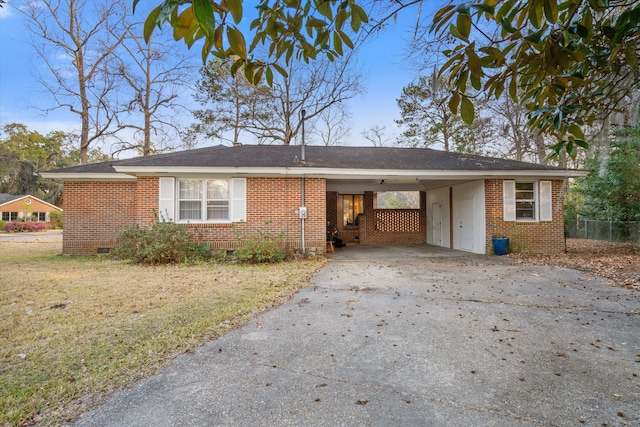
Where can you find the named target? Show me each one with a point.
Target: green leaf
(463, 24)
(441, 12)
(337, 43)
(475, 65)
(486, 8)
(150, 23)
(237, 42)
(466, 110)
(184, 24)
(551, 10)
(535, 13)
(453, 102)
(506, 25)
(576, 131)
(454, 32)
(235, 8)
(204, 15)
(269, 76)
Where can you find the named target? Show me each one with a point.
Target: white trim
(338, 173)
(80, 176)
(509, 200)
(545, 198)
(166, 199)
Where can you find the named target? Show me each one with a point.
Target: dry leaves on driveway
(617, 262)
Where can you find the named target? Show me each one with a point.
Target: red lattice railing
(397, 220)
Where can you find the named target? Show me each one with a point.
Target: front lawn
(73, 330)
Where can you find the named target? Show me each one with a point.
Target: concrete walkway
(411, 336)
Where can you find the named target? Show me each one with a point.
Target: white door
(436, 223)
(465, 225)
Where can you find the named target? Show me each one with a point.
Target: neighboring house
(464, 200)
(25, 207)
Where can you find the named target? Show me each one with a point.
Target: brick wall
(525, 236)
(96, 212)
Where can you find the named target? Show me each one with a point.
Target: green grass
(73, 330)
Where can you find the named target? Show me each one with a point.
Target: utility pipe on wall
(302, 216)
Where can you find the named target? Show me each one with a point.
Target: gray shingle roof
(6, 198)
(278, 156)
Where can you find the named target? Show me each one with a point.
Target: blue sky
(382, 60)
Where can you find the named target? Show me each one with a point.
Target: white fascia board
(79, 176)
(339, 173)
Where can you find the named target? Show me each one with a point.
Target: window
(39, 216)
(203, 200)
(525, 200)
(352, 206)
(9, 216)
(528, 201)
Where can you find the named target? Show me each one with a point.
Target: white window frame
(542, 200)
(203, 202)
(535, 202)
(169, 203)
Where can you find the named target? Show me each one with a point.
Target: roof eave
(340, 173)
(88, 176)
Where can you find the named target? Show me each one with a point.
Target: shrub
(2, 223)
(161, 243)
(23, 226)
(260, 247)
(56, 219)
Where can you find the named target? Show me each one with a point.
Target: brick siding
(96, 212)
(525, 236)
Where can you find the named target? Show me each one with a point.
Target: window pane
(5, 216)
(190, 189)
(217, 189)
(217, 209)
(524, 186)
(358, 205)
(190, 210)
(524, 209)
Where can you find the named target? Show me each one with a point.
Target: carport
(451, 212)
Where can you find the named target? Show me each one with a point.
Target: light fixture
(381, 181)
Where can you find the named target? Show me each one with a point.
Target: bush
(260, 247)
(2, 223)
(56, 219)
(23, 226)
(162, 243)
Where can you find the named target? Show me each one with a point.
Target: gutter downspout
(302, 161)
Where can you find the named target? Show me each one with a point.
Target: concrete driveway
(411, 336)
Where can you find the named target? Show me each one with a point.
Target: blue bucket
(500, 245)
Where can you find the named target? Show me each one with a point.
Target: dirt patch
(617, 262)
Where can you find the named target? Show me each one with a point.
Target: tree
(425, 111)
(154, 74)
(75, 40)
(570, 63)
(331, 126)
(612, 195)
(520, 141)
(376, 135)
(23, 153)
(281, 31)
(232, 102)
(273, 114)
